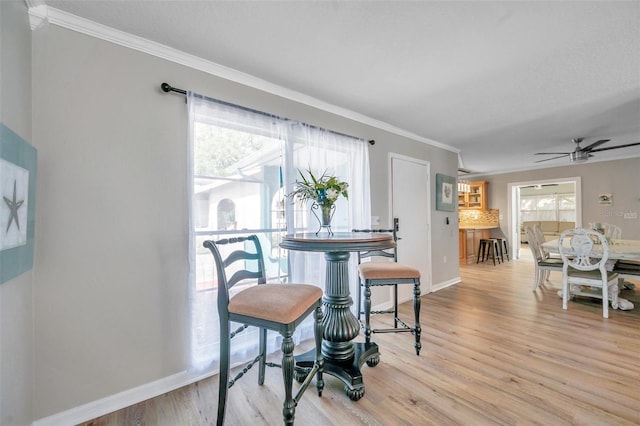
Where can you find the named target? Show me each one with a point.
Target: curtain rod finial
(372, 142)
(166, 87)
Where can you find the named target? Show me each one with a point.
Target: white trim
(121, 400)
(513, 206)
(72, 22)
(37, 16)
(445, 284)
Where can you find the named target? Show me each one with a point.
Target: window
(548, 207)
(243, 164)
(567, 208)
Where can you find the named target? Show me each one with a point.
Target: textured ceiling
(497, 80)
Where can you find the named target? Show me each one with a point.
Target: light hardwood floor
(493, 353)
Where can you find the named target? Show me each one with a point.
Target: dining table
(618, 250)
(342, 357)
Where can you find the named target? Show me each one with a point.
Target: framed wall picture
(445, 193)
(17, 204)
(605, 199)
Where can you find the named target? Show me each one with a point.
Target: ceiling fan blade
(595, 144)
(615, 147)
(551, 153)
(552, 158)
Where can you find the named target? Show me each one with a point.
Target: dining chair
(539, 234)
(625, 268)
(240, 270)
(612, 232)
(374, 273)
(544, 264)
(584, 271)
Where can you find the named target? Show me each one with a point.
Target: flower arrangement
(323, 190)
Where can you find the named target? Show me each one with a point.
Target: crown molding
(40, 15)
(37, 16)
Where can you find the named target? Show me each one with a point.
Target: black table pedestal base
(346, 370)
(342, 357)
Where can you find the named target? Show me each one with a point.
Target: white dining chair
(539, 235)
(583, 271)
(544, 264)
(625, 268)
(612, 232)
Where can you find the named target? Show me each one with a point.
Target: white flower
(331, 194)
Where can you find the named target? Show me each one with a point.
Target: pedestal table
(343, 358)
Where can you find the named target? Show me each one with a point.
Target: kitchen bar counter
(469, 240)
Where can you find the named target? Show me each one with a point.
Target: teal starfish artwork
(18, 160)
(13, 209)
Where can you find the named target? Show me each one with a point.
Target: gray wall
(111, 247)
(620, 177)
(16, 295)
(444, 238)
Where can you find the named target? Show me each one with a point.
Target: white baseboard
(434, 287)
(388, 305)
(446, 284)
(120, 400)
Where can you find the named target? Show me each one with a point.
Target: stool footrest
(388, 311)
(393, 330)
(404, 328)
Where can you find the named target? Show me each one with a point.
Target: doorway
(544, 186)
(410, 205)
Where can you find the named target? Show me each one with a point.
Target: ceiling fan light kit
(579, 157)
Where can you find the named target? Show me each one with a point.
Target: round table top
(339, 241)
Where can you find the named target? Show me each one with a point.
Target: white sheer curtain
(320, 150)
(295, 146)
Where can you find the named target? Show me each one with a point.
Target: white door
(410, 206)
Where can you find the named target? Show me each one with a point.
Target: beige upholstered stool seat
(382, 270)
(282, 303)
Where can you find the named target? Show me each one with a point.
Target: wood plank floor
(493, 353)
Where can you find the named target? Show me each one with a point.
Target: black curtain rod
(166, 87)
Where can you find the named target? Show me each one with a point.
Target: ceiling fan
(580, 155)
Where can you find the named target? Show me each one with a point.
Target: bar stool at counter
(488, 246)
(504, 248)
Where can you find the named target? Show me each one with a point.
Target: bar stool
(504, 248)
(488, 246)
(392, 273)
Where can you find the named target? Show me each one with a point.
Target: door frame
(426, 279)
(513, 201)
